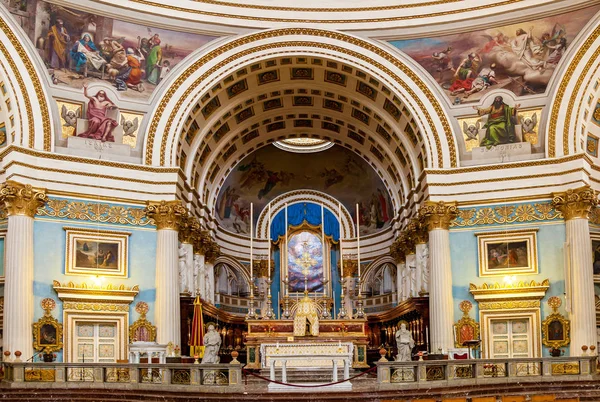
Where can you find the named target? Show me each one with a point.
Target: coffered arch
(203, 74)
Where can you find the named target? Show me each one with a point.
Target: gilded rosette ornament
(576, 203)
(189, 225)
(22, 199)
(438, 215)
(166, 214)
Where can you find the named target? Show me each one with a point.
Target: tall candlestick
(269, 249)
(251, 250)
(358, 243)
(323, 237)
(340, 239)
(285, 250)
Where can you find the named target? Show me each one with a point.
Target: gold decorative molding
(188, 228)
(509, 305)
(438, 215)
(505, 214)
(22, 199)
(575, 203)
(166, 214)
(95, 306)
(35, 81)
(508, 294)
(94, 212)
(495, 287)
(330, 21)
(108, 292)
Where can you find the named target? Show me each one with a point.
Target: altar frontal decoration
(556, 329)
(48, 332)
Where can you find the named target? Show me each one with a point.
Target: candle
(339, 344)
(285, 251)
(341, 255)
(278, 308)
(427, 337)
(251, 264)
(358, 244)
(323, 237)
(269, 249)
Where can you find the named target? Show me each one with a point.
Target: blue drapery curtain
(305, 211)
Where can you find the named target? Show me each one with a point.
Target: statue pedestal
(503, 153)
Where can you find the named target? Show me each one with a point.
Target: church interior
(240, 200)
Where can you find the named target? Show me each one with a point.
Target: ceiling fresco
(519, 57)
(270, 172)
(79, 47)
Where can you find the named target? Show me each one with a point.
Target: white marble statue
(184, 285)
(424, 269)
(348, 292)
(405, 282)
(197, 274)
(212, 344)
(209, 283)
(405, 344)
(412, 269)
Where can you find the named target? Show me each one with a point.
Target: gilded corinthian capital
(575, 203)
(396, 252)
(21, 199)
(438, 215)
(166, 214)
(187, 229)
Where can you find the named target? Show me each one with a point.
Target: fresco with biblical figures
(519, 57)
(80, 48)
(270, 172)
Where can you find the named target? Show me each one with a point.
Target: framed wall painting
(96, 252)
(507, 252)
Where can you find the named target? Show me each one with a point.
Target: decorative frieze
(575, 203)
(166, 214)
(21, 199)
(438, 215)
(503, 214)
(94, 212)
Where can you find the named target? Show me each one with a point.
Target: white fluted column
(575, 206)
(168, 216)
(21, 203)
(441, 315)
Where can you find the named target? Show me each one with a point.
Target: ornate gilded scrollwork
(556, 329)
(48, 332)
(142, 329)
(467, 329)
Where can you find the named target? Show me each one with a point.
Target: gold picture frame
(47, 334)
(96, 252)
(512, 252)
(465, 329)
(556, 331)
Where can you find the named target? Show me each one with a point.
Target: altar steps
(301, 375)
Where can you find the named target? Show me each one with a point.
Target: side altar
(263, 334)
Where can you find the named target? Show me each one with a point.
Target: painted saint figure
(405, 344)
(100, 125)
(58, 38)
(212, 344)
(500, 126)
